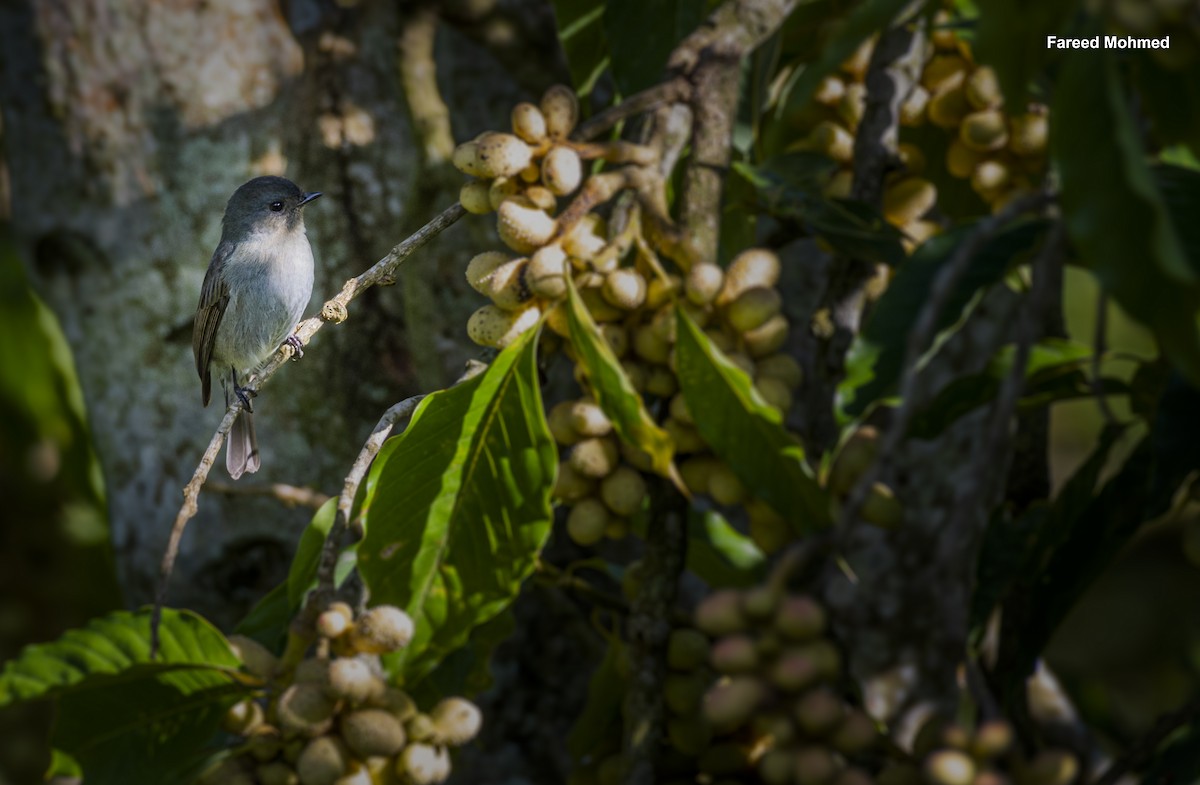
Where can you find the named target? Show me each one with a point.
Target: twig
(668, 92)
(919, 339)
(559, 578)
(1144, 747)
(289, 495)
(334, 310)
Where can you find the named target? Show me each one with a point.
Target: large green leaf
(461, 507)
(876, 358)
(745, 431)
(612, 388)
(641, 35)
(719, 553)
(1180, 188)
(581, 35)
(601, 715)
(1010, 36)
(1114, 213)
(122, 717)
(467, 671)
(1171, 98)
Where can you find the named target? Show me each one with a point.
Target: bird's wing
(214, 297)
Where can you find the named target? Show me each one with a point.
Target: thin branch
(923, 332)
(334, 310)
(668, 92)
(288, 495)
(561, 579)
(1144, 747)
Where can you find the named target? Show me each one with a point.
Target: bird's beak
(308, 198)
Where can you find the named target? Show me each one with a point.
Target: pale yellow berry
(752, 267)
(775, 393)
(587, 521)
(353, 679)
(523, 226)
(528, 122)
(623, 491)
(832, 139)
(561, 110)
(496, 327)
(562, 171)
(473, 196)
(984, 130)
(588, 419)
(501, 155)
(912, 111)
(465, 159)
(456, 721)
(983, 88)
(782, 367)
(725, 487)
(382, 629)
(625, 288)
(947, 108)
(323, 761)
(594, 457)
(571, 486)
(960, 159)
(908, 199)
(255, 657)
(767, 338)
(546, 274)
(1030, 133)
(752, 308)
(944, 71)
(502, 188)
(704, 282)
(369, 732)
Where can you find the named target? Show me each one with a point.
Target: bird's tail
(241, 450)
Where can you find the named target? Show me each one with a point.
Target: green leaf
(1171, 98)
(581, 35)
(122, 718)
(601, 713)
(790, 188)
(641, 35)
(876, 358)
(303, 573)
(269, 619)
(1180, 189)
(613, 390)
(461, 508)
(745, 431)
(720, 554)
(1114, 213)
(1010, 36)
(1049, 361)
(467, 671)
(867, 19)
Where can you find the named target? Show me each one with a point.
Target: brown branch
(669, 92)
(334, 310)
(288, 495)
(559, 578)
(418, 79)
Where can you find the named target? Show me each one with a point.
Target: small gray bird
(255, 291)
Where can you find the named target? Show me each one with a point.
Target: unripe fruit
(562, 171)
(314, 670)
(304, 709)
(600, 309)
(382, 629)
(496, 327)
(396, 702)
(800, 618)
(696, 471)
(947, 108)
(795, 670)
(456, 721)
(1029, 133)
(704, 283)
(853, 104)
(686, 438)
(506, 285)
(942, 33)
(649, 345)
(255, 657)
(882, 508)
(335, 620)
(767, 338)
(908, 199)
(501, 155)
(734, 654)
(531, 174)
(983, 88)
(949, 767)
(422, 764)
(419, 727)
(502, 188)
(587, 521)
(594, 457)
(833, 140)
(775, 393)
(960, 159)
(782, 367)
(815, 765)
(276, 773)
(352, 679)
(840, 185)
(481, 267)
(560, 421)
(687, 649)
(990, 178)
(830, 90)
(623, 491)
(659, 291)
(588, 419)
(617, 338)
(571, 486)
(542, 198)
(625, 288)
(265, 742)
(522, 225)
(323, 760)
(370, 732)
(984, 130)
(768, 529)
(732, 701)
(724, 486)
(690, 735)
(912, 111)
(916, 233)
(636, 373)
(752, 267)
(776, 766)
(992, 739)
(473, 196)
(742, 362)
(683, 692)
(242, 717)
(819, 711)
(465, 159)
(561, 110)
(944, 71)
(856, 64)
(586, 239)
(528, 122)
(753, 308)
(1051, 767)
(855, 734)
(720, 613)
(911, 157)
(546, 274)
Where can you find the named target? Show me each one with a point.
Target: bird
(257, 285)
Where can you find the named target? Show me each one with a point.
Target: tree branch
(334, 310)
(288, 495)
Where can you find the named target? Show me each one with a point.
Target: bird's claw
(297, 347)
(244, 395)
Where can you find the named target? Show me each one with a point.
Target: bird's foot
(293, 341)
(244, 395)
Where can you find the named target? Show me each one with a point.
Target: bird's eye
(276, 206)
